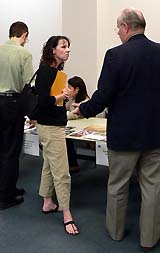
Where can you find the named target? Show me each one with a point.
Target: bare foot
(49, 205)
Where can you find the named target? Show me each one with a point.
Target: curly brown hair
(47, 57)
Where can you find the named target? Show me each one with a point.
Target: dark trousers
(11, 137)
(72, 159)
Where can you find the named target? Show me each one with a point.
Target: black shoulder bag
(29, 98)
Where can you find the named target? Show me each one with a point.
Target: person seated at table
(78, 94)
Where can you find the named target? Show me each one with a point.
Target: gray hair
(134, 18)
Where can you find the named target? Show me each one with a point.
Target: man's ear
(23, 38)
(126, 27)
(24, 35)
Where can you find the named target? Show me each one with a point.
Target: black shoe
(19, 192)
(12, 202)
(74, 169)
(145, 249)
(149, 249)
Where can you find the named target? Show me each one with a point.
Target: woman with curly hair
(51, 123)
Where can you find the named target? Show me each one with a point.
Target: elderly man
(129, 85)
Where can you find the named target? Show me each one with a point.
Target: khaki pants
(121, 167)
(55, 171)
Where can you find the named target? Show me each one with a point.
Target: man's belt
(9, 94)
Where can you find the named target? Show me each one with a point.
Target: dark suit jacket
(129, 85)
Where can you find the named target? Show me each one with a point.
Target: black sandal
(72, 223)
(51, 211)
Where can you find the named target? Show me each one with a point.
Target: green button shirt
(15, 67)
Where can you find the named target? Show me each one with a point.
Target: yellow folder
(58, 85)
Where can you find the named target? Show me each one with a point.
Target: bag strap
(33, 77)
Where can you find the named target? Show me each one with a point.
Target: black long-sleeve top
(48, 112)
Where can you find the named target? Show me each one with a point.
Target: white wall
(107, 13)
(90, 25)
(43, 18)
(79, 23)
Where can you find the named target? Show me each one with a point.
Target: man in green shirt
(15, 71)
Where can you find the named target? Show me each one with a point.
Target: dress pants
(121, 167)
(11, 137)
(55, 171)
(72, 156)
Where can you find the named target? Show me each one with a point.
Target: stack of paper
(95, 136)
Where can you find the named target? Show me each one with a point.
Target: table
(99, 153)
(94, 124)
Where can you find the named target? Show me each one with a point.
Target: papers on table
(30, 130)
(69, 129)
(96, 136)
(87, 134)
(96, 128)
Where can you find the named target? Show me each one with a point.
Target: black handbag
(29, 98)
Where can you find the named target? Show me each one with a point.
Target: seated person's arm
(70, 108)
